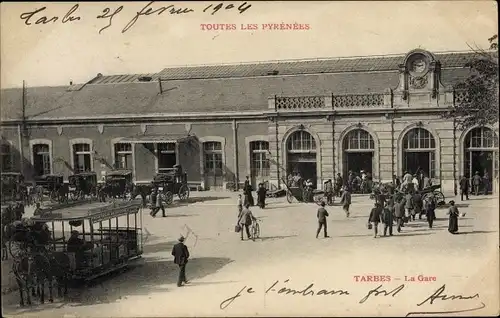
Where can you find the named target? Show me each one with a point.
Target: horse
(143, 190)
(31, 273)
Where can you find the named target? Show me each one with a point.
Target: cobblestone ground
(288, 253)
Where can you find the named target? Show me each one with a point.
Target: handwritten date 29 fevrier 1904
(40, 16)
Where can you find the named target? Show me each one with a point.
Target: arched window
(301, 141)
(419, 152)
(481, 152)
(359, 139)
(301, 155)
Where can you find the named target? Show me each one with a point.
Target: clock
(418, 65)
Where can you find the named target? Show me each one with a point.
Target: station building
(320, 117)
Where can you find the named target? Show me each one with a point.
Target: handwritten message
(42, 16)
(283, 288)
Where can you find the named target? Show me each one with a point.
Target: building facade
(381, 114)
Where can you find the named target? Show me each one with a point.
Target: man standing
(399, 211)
(430, 209)
(375, 217)
(329, 191)
(247, 189)
(346, 200)
(180, 253)
(464, 188)
(388, 217)
(477, 182)
(486, 182)
(339, 182)
(322, 214)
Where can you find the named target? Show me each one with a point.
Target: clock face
(418, 66)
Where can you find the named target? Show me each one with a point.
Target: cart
(436, 191)
(52, 186)
(112, 233)
(300, 194)
(83, 184)
(173, 181)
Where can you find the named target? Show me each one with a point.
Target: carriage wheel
(439, 197)
(169, 197)
(289, 196)
(183, 192)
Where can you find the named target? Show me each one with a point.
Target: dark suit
(181, 255)
(464, 188)
(322, 214)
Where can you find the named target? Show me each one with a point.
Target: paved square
(289, 256)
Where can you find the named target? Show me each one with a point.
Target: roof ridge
(312, 59)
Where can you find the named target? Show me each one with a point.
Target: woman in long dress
(453, 221)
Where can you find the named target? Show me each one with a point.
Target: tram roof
(96, 211)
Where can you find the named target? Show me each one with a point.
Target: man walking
(180, 253)
(245, 219)
(322, 214)
(464, 188)
(160, 198)
(346, 200)
(375, 217)
(430, 209)
(388, 217)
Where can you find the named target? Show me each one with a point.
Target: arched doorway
(481, 152)
(419, 152)
(301, 155)
(358, 149)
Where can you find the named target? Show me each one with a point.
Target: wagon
(111, 232)
(83, 184)
(436, 191)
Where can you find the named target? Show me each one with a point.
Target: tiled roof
(193, 96)
(293, 67)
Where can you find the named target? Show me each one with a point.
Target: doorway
(305, 165)
(357, 161)
(423, 160)
(479, 161)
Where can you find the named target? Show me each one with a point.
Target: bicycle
(255, 229)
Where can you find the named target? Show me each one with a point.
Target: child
(346, 200)
(240, 204)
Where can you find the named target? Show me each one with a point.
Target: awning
(157, 138)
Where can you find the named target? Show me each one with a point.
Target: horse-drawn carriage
(82, 185)
(301, 193)
(52, 186)
(77, 242)
(117, 184)
(389, 189)
(12, 186)
(173, 181)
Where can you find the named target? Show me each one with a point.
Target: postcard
(249, 158)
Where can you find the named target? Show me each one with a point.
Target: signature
(40, 17)
(438, 294)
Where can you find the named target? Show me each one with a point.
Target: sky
(56, 53)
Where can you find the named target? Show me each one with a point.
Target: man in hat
(322, 214)
(464, 188)
(160, 198)
(180, 253)
(78, 246)
(329, 191)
